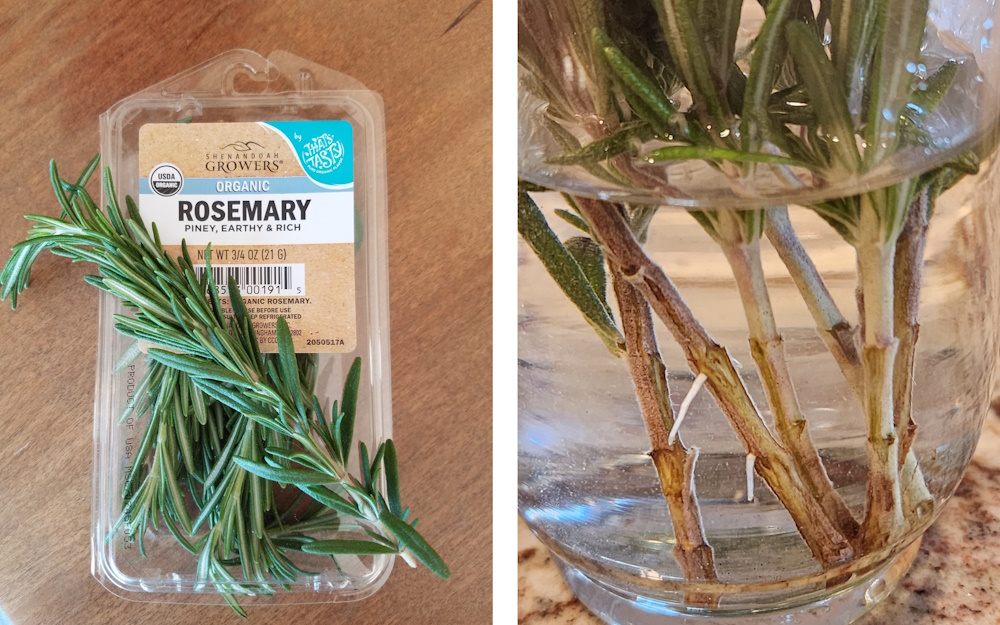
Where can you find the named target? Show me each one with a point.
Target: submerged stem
(674, 462)
(774, 464)
(908, 277)
(884, 512)
(835, 331)
(767, 348)
(908, 273)
(840, 336)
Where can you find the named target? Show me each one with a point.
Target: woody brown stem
(674, 463)
(767, 348)
(774, 464)
(908, 276)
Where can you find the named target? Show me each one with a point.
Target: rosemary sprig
(228, 426)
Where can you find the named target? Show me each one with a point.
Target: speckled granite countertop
(955, 579)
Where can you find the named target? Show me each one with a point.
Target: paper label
(275, 201)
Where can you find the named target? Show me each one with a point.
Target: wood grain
(65, 63)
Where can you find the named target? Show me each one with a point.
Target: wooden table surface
(61, 65)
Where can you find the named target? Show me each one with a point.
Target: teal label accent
(324, 149)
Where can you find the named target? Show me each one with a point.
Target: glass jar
(796, 356)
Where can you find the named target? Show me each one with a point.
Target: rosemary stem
(840, 337)
(908, 273)
(908, 277)
(918, 502)
(883, 513)
(774, 464)
(835, 331)
(767, 348)
(330, 465)
(674, 463)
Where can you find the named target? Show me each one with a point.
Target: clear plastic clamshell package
(274, 168)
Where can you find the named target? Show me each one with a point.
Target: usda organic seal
(166, 180)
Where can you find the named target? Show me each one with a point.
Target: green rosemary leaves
(239, 461)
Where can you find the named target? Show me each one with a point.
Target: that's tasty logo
(323, 154)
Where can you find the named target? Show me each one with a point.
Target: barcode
(259, 279)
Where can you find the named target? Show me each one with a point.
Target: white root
(695, 387)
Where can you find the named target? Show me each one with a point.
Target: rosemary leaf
(719, 23)
(392, 478)
(900, 31)
(366, 468)
(565, 271)
(825, 93)
(573, 220)
(284, 476)
(590, 258)
(349, 407)
(685, 152)
(415, 544)
(768, 56)
(198, 367)
(619, 143)
(687, 46)
(929, 94)
(852, 27)
(357, 547)
(332, 500)
(636, 81)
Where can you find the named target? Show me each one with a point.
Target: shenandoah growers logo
(242, 156)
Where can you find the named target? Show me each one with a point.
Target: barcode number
(259, 279)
